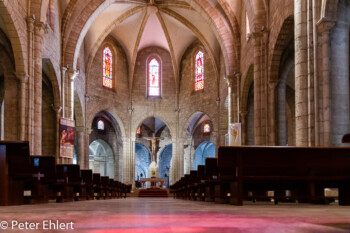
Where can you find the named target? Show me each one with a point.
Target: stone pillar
(86, 148)
(272, 109)
(39, 33)
(80, 134)
(260, 88)
(301, 71)
(180, 149)
(129, 162)
(70, 95)
(58, 110)
(23, 77)
(230, 80)
(30, 86)
(324, 28)
(243, 115)
(63, 86)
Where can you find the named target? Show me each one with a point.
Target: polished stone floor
(156, 215)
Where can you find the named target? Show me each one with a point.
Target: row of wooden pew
(26, 179)
(279, 174)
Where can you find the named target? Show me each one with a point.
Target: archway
(105, 127)
(204, 150)
(142, 161)
(155, 138)
(101, 158)
(199, 129)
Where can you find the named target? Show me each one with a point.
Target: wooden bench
(14, 169)
(68, 186)
(302, 172)
(86, 178)
(210, 178)
(96, 180)
(43, 171)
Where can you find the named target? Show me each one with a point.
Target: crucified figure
(154, 146)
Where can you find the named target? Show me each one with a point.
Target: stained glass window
(100, 125)
(206, 128)
(199, 75)
(139, 130)
(107, 67)
(153, 78)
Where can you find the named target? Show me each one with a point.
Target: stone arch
(97, 149)
(105, 107)
(111, 133)
(249, 78)
(53, 76)
(9, 97)
(282, 40)
(8, 14)
(165, 158)
(142, 160)
(205, 150)
(155, 115)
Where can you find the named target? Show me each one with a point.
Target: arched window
(100, 125)
(206, 128)
(153, 78)
(199, 71)
(139, 131)
(107, 68)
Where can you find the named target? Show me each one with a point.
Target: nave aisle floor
(156, 215)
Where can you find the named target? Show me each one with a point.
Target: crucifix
(38, 175)
(154, 146)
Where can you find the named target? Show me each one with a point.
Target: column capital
(30, 23)
(230, 79)
(80, 129)
(22, 76)
(88, 130)
(243, 113)
(73, 74)
(325, 24)
(41, 28)
(273, 83)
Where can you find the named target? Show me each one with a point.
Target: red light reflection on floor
(150, 230)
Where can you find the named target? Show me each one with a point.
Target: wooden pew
(211, 178)
(86, 177)
(14, 169)
(96, 180)
(68, 183)
(304, 171)
(43, 170)
(105, 188)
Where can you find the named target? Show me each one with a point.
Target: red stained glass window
(139, 131)
(199, 74)
(206, 128)
(107, 67)
(153, 78)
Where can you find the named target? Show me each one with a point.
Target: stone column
(260, 88)
(23, 77)
(324, 28)
(180, 149)
(243, 115)
(30, 86)
(70, 95)
(301, 71)
(58, 111)
(230, 80)
(80, 134)
(63, 86)
(272, 109)
(86, 148)
(39, 33)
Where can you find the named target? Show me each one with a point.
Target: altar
(154, 182)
